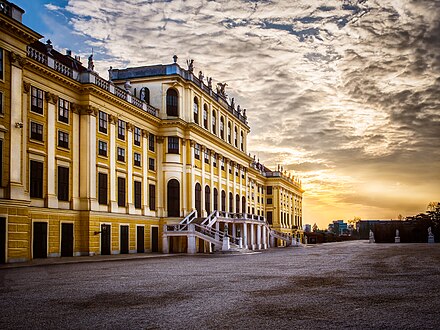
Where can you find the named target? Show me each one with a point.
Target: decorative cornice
(88, 110)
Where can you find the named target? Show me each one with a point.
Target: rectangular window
(269, 190)
(222, 163)
(36, 179)
(36, 131)
(137, 194)
(151, 164)
(121, 154)
(137, 136)
(2, 66)
(63, 139)
(121, 129)
(63, 110)
(214, 161)
(102, 188)
(37, 100)
(152, 196)
(269, 201)
(102, 148)
(121, 191)
(63, 183)
(151, 142)
(173, 145)
(197, 151)
(206, 156)
(103, 120)
(137, 159)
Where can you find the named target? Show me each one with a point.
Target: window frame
(63, 110)
(63, 182)
(197, 151)
(137, 194)
(122, 126)
(173, 145)
(121, 191)
(102, 151)
(137, 136)
(151, 141)
(103, 122)
(36, 181)
(32, 133)
(152, 197)
(121, 154)
(63, 139)
(38, 107)
(172, 102)
(151, 164)
(102, 198)
(137, 162)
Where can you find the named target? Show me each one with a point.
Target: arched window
(223, 201)
(222, 128)
(243, 204)
(205, 116)
(196, 110)
(145, 95)
(231, 202)
(215, 199)
(214, 122)
(208, 199)
(237, 203)
(173, 198)
(172, 101)
(229, 132)
(198, 199)
(241, 141)
(235, 137)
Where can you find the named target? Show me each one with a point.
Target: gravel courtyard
(337, 285)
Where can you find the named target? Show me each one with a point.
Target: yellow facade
(91, 166)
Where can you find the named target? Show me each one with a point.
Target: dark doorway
(124, 239)
(105, 239)
(198, 198)
(173, 198)
(243, 204)
(67, 239)
(237, 203)
(154, 239)
(140, 244)
(223, 201)
(2, 240)
(40, 240)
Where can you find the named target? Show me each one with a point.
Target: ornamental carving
(160, 139)
(112, 119)
(17, 60)
(26, 87)
(51, 98)
(88, 110)
(144, 133)
(75, 108)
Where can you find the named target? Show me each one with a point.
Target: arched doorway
(243, 204)
(173, 198)
(208, 199)
(223, 201)
(198, 199)
(215, 199)
(231, 202)
(237, 203)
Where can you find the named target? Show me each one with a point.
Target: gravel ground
(336, 285)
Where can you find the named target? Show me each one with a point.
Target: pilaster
(75, 156)
(51, 198)
(160, 181)
(112, 120)
(145, 192)
(130, 192)
(184, 187)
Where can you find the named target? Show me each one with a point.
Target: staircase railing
(189, 218)
(211, 219)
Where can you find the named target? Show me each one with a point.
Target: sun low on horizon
(343, 94)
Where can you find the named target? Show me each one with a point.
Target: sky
(343, 94)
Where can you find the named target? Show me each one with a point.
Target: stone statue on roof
(233, 103)
(210, 83)
(190, 64)
(90, 65)
(221, 89)
(201, 76)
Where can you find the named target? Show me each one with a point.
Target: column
(252, 236)
(211, 159)
(247, 191)
(112, 120)
(16, 164)
(51, 200)
(234, 190)
(130, 192)
(184, 187)
(165, 246)
(159, 170)
(219, 183)
(245, 236)
(145, 190)
(240, 169)
(191, 188)
(264, 236)
(227, 183)
(75, 156)
(259, 237)
(233, 230)
(88, 158)
(202, 161)
(191, 239)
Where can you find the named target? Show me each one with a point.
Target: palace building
(151, 160)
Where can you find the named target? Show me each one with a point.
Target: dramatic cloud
(346, 93)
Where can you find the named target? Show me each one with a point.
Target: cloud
(337, 89)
